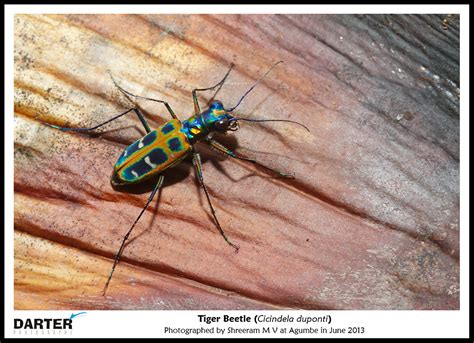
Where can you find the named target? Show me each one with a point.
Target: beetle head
(219, 119)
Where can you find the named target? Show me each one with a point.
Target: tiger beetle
(169, 144)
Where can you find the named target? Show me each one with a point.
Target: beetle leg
(197, 109)
(198, 167)
(168, 107)
(82, 129)
(122, 246)
(220, 148)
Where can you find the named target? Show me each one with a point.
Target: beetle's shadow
(216, 158)
(231, 142)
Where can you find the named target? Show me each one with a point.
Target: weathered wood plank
(371, 221)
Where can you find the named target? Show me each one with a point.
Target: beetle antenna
(251, 88)
(283, 120)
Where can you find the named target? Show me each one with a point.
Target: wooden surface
(370, 222)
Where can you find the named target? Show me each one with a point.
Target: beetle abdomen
(151, 154)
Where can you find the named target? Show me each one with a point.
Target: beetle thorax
(215, 118)
(195, 128)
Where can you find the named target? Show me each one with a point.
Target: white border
(242, 9)
(146, 323)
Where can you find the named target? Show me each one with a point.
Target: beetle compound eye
(234, 125)
(221, 125)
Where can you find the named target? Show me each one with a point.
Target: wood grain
(370, 222)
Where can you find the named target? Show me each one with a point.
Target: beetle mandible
(170, 143)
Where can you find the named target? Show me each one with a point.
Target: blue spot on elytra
(132, 148)
(149, 138)
(158, 156)
(167, 128)
(139, 168)
(174, 144)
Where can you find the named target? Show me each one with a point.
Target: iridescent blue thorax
(215, 118)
